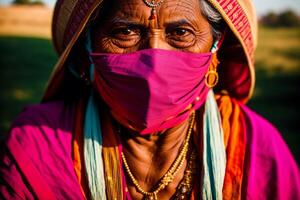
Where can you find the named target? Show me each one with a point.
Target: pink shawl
(36, 159)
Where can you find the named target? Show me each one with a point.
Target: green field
(25, 66)
(27, 62)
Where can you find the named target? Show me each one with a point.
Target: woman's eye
(125, 36)
(179, 32)
(180, 37)
(125, 33)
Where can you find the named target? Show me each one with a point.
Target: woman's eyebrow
(118, 20)
(128, 22)
(177, 23)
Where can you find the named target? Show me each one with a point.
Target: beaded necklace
(171, 173)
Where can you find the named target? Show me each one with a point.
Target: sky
(262, 6)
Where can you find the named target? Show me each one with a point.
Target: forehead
(169, 10)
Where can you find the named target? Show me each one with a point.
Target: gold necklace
(185, 187)
(171, 173)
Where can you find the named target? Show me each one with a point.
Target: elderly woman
(147, 101)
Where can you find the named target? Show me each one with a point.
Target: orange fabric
(111, 160)
(78, 148)
(235, 143)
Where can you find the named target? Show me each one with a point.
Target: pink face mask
(153, 89)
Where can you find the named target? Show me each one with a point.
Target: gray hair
(214, 17)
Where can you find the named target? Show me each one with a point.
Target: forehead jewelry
(153, 5)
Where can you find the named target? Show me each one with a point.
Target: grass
(26, 20)
(27, 62)
(25, 67)
(278, 50)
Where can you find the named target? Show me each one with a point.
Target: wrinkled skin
(126, 28)
(179, 26)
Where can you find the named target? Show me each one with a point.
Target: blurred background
(27, 58)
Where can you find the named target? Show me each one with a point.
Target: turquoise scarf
(214, 155)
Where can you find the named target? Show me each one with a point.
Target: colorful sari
(42, 157)
(37, 160)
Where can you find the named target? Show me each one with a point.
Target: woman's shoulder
(39, 146)
(270, 169)
(258, 130)
(261, 132)
(265, 141)
(49, 123)
(48, 113)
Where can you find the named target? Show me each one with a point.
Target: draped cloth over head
(71, 19)
(236, 54)
(43, 156)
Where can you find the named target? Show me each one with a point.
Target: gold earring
(212, 76)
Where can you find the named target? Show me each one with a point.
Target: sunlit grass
(278, 50)
(24, 20)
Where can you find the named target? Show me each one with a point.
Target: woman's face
(127, 28)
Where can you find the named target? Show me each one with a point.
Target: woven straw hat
(236, 55)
